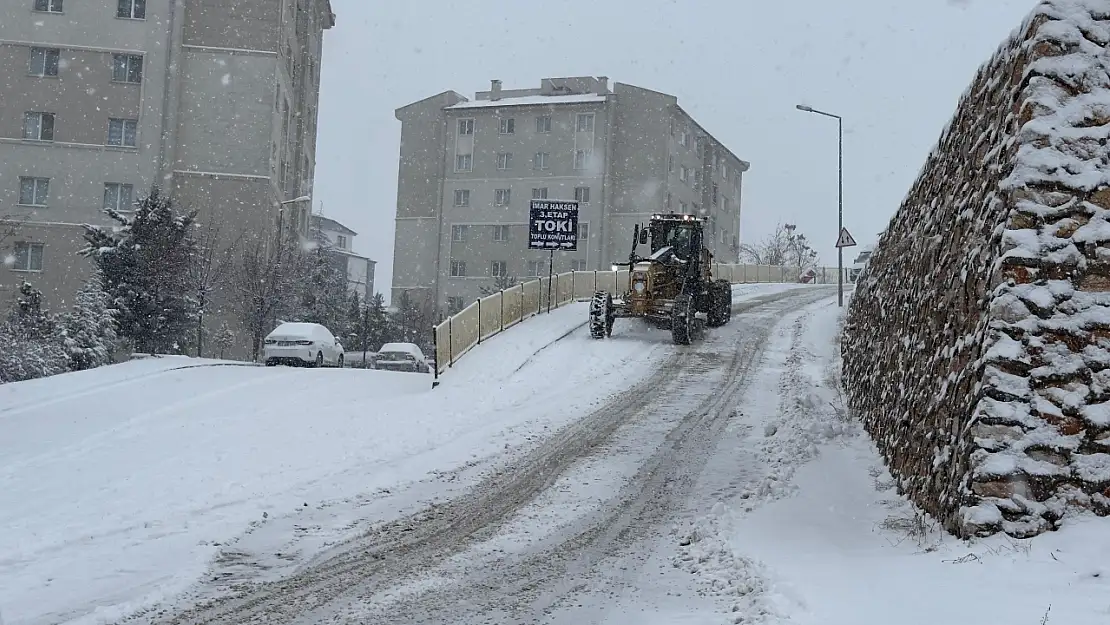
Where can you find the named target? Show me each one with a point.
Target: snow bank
(976, 345)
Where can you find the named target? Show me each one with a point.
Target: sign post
(843, 240)
(552, 225)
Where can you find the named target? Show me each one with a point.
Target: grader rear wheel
(720, 303)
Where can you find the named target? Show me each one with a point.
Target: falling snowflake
(226, 79)
(9, 261)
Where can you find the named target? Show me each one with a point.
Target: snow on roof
(531, 100)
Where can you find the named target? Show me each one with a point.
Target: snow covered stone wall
(977, 345)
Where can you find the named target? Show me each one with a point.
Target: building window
(697, 180)
(724, 169)
(578, 264)
(464, 162)
(543, 124)
(462, 197)
(696, 208)
(458, 233)
(127, 68)
(458, 269)
(535, 268)
(507, 126)
(582, 195)
(683, 173)
(38, 126)
(501, 234)
(455, 304)
(585, 122)
(667, 202)
(539, 194)
(582, 158)
(713, 194)
(28, 256)
(43, 62)
(341, 241)
(505, 161)
(498, 269)
(466, 126)
(122, 132)
(131, 9)
(682, 207)
(118, 196)
(670, 164)
(33, 191)
(48, 6)
(501, 197)
(541, 161)
(583, 231)
(683, 138)
(725, 204)
(670, 125)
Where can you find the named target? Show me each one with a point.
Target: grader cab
(670, 285)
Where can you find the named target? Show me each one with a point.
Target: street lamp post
(281, 210)
(840, 196)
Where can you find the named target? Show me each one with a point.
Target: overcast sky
(893, 69)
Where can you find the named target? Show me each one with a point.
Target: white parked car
(401, 357)
(302, 344)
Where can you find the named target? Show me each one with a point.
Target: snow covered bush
(977, 346)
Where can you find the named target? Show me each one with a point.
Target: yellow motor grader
(669, 286)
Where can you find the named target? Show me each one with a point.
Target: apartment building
(214, 102)
(358, 269)
(468, 169)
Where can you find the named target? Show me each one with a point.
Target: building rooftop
(531, 100)
(328, 223)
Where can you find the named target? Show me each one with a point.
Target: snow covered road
(481, 554)
(120, 487)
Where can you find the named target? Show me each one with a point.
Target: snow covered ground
(121, 486)
(797, 521)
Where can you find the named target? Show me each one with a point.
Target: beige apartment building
(214, 102)
(468, 169)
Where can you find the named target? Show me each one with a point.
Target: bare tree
(9, 227)
(265, 283)
(500, 283)
(212, 270)
(784, 247)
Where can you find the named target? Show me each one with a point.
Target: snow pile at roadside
(793, 407)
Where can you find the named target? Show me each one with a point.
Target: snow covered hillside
(120, 485)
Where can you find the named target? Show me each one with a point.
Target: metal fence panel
(607, 281)
(443, 346)
(489, 315)
(531, 298)
(464, 331)
(565, 287)
(512, 299)
(585, 284)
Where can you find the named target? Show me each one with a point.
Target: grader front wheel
(682, 320)
(601, 315)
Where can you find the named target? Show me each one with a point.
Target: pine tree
(145, 264)
(378, 323)
(224, 339)
(30, 345)
(354, 327)
(27, 319)
(324, 292)
(89, 328)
